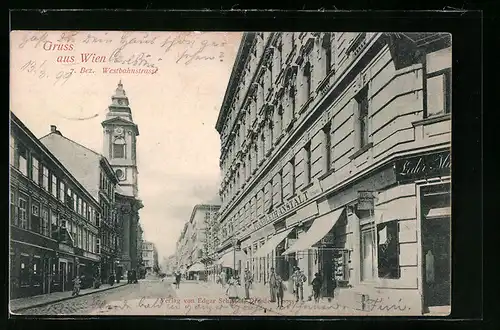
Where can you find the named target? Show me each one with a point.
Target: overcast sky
(175, 108)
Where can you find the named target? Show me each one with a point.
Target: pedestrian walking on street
(177, 279)
(76, 286)
(316, 284)
(298, 278)
(223, 278)
(280, 290)
(272, 285)
(232, 291)
(248, 278)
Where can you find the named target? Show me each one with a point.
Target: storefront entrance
(62, 275)
(46, 275)
(436, 245)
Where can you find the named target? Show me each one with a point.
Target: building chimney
(53, 129)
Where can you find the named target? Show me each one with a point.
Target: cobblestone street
(155, 297)
(84, 305)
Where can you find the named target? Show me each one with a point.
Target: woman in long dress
(272, 285)
(231, 290)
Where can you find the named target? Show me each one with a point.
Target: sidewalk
(338, 306)
(46, 299)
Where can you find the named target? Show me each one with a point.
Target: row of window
(30, 214)
(297, 94)
(40, 174)
(107, 186)
(277, 121)
(110, 240)
(438, 102)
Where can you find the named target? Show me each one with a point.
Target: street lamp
(234, 255)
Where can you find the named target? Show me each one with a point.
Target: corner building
(335, 157)
(54, 228)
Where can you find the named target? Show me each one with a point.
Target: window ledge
(323, 84)
(322, 176)
(306, 104)
(306, 186)
(431, 120)
(361, 151)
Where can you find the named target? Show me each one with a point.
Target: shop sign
(294, 203)
(425, 166)
(66, 248)
(365, 201)
(328, 239)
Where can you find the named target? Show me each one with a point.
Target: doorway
(46, 276)
(326, 271)
(62, 275)
(70, 275)
(436, 247)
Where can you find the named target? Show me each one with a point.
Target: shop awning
(197, 267)
(318, 230)
(231, 258)
(439, 212)
(271, 244)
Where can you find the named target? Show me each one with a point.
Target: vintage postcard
(230, 173)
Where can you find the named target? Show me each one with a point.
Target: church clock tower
(120, 141)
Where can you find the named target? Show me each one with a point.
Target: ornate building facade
(335, 156)
(120, 148)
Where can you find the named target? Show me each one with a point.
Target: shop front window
(388, 250)
(367, 255)
(24, 273)
(37, 271)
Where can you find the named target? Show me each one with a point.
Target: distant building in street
(120, 144)
(195, 244)
(140, 238)
(96, 175)
(149, 256)
(168, 265)
(335, 157)
(54, 219)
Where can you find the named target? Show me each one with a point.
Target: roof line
(81, 145)
(245, 43)
(37, 141)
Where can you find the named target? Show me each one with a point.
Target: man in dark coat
(316, 284)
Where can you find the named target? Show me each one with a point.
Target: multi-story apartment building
(140, 261)
(335, 157)
(168, 265)
(54, 219)
(183, 251)
(149, 256)
(195, 249)
(211, 243)
(96, 175)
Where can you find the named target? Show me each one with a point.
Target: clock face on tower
(121, 102)
(118, 131)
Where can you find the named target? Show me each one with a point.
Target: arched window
(119, 148)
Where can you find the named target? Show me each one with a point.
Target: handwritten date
(39, 71)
